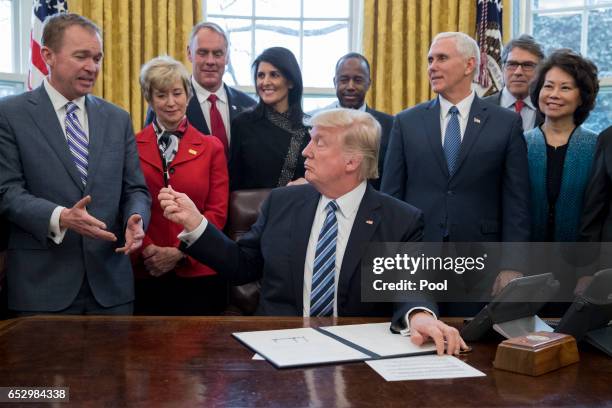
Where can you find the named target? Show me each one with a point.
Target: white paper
(298, 347)
(423, 368)
(257, 357)
(377, 338)
(522, 327)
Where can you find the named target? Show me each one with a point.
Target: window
(318, 32)
(14, 45)
(582, 25)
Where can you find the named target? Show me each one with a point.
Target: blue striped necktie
(324, 270)
(452, 140)
(77, 140)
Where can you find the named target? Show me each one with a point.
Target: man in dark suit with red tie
(214, 105)
(520, 58)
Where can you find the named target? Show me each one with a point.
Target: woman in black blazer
(267, 141)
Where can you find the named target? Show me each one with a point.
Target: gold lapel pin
(191, 151)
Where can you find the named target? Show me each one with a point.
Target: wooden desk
(186, 362)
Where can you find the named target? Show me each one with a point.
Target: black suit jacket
(496, 99)
(487, 198)
(596, 222)
(238, 102)
(386, 123)
(274, 250)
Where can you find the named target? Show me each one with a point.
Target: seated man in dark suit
(307, 243)
(214, 105)
(520, 58)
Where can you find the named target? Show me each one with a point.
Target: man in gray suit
(520, 58)
(70, 184)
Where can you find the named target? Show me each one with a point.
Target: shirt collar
(58, 100)
(463, 106)
(202, 93)
(349, 202)
(361, 108)
(507, 100)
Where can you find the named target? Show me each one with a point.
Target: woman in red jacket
(172, 152)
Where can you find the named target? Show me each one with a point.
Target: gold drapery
(135, 31)
(396, 39)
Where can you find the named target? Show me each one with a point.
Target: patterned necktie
(452, 140)
(216, 122)
(77, 140)
(518, 105)
(322, 290)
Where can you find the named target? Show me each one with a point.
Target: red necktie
(518, 105)
(216, 122)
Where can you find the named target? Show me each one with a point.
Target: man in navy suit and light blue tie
(71, 186)
(461, 160)
(307, 243)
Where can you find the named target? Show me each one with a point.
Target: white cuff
(56, 234)
(190, 237)
(406, 331)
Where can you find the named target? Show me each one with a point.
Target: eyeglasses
(527, 66)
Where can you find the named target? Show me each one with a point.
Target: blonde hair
(160, 73)
(361, 135)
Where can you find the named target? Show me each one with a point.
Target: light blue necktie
(77, 140)
(322, 291)
(452, 140)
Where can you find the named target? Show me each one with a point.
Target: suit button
(450, 192)
(171, 170)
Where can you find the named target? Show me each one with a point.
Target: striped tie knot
(71, 108)
(331, 206)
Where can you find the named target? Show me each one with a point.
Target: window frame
(355, 28)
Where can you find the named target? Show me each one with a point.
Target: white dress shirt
(59, 101)
(222, 105)
(463, 106)
(528, 113)
(348, 204)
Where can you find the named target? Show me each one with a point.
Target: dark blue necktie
(452, 140)
(324, 270)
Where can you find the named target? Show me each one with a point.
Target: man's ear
(47, 55)
(189, 54)
(353, 162)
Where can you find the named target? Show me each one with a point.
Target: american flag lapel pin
(369, 222)
(477, 120)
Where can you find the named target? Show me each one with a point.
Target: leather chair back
(244, 206)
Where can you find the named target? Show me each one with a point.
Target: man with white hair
(307, 243)
(461, 160)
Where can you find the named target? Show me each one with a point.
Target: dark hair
(285, 62)
(55, 25)
(524, 42)
(581, 69)
(353, 55)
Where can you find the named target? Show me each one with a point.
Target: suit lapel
(195, 114)
(476, 121)
(233, 109)
(366, 222)
(431, 120)
(97, 118)
(147, 148)
(190, 147)
(300, 233)
(44, 116)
